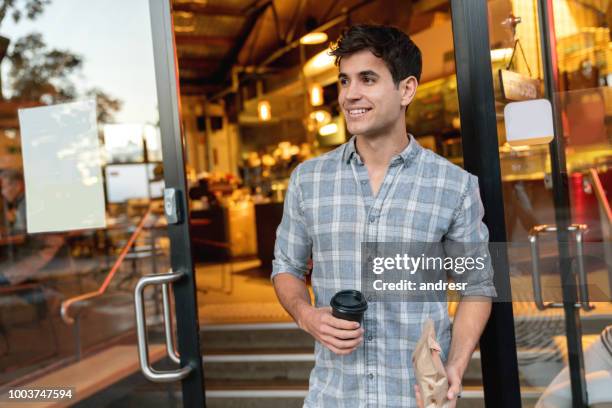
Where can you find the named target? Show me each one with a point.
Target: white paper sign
(529, 122)
(62, 167)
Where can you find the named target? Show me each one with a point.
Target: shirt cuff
(279, 267)
(486, 291)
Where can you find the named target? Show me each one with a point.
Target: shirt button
(369, 259)
(370, 337)
(364, 182)
(370, 298)
(370, 376)
(372, 219)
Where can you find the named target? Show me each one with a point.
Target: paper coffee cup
(349, 305)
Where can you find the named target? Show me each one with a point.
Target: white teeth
(357, 111)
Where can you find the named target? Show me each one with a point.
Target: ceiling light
(264, 110)
(314, 38)
(316, 94)
(321, 117)
(319, 63)
(329, 129)
(184, 22)
(501, 54)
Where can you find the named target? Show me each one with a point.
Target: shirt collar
(404, 156)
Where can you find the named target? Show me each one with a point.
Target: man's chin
(357, 130)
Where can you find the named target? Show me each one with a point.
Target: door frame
(185, 293)
(561, 200)
(476, 95)
(481, 158)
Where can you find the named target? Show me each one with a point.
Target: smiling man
(380, 186)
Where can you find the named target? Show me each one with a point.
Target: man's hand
(338, 335)
(454, 388)
(418, 396)
(454, 385)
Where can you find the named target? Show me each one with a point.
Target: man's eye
(368, 80)
(343, 81)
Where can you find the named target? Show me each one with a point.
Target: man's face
(11, 189)
(371, 102)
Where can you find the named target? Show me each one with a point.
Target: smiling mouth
(356, 113)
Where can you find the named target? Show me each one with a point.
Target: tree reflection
(17, 8)
(40, 74)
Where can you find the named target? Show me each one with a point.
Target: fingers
(340, 336)
(340, 333)
(454, 387)
(417, 395)
(336, 350)
(340, 323)
(453, 391)
(340, 352)
(342, 344)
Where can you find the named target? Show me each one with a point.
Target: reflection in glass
(71, 51)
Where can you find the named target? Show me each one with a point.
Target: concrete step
(283, 352)
(258, 396)
(277, 336)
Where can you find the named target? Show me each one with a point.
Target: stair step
(91, 375)
(276, 336)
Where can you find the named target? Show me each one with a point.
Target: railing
(68, 303)
(600, 193)
(606, 227)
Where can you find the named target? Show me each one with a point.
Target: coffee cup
(349, 305)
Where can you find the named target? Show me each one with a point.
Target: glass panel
(582, 41)
(584, 52)
(528, 198)
(65, 52)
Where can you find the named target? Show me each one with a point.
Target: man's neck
(377, 151)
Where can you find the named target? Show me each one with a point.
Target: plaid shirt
(329, 210)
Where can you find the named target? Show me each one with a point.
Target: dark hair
(400, 53)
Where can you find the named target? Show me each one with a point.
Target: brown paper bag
(429, 370)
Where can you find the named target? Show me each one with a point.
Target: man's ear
(408, 88)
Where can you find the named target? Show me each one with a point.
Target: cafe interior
(258, 96)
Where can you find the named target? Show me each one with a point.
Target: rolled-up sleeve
(293, 245)
(467, 227)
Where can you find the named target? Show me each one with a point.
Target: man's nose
(353, 92)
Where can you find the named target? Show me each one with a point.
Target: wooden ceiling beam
(194, 39)
(197, 62)
(208, 9)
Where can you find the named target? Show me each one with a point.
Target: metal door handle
(170, 348)
(578, 229)
(143, 346)
(582, 276)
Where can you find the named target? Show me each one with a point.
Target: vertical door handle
(582, 275)
(143, 346)
(535, 269)
(170, 347)
(578, 230)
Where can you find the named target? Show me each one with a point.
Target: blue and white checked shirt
(329, 210)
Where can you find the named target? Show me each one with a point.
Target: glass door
(92, 222)
(556, 195)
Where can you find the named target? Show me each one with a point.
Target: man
(379, 186)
